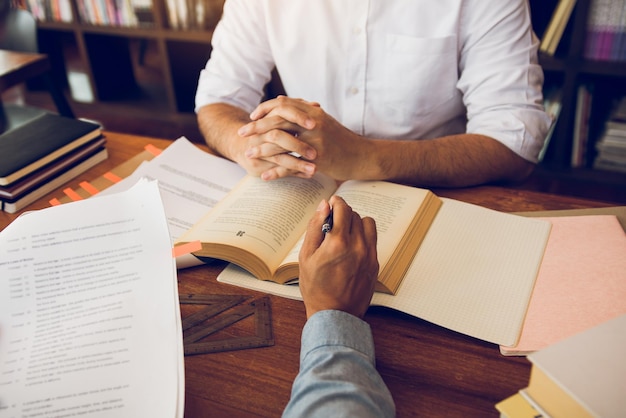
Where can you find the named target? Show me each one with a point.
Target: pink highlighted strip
(186, 248)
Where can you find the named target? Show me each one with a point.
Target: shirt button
(356, 31)
(354, 90)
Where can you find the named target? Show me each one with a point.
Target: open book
(474, 273)
(260, 225)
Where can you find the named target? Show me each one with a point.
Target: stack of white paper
(89, 313)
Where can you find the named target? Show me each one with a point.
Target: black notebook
(39, 142)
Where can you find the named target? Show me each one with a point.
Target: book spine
(619, 49)
(594, 29)
(556, 27)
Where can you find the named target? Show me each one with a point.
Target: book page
(474, 272)
(264, 218)
(89, 314)
(393, 206)
(403, 215)
(191, 182)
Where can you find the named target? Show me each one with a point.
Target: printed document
(89, 313)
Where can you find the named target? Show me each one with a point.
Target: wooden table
(431, 371)
(19, 67)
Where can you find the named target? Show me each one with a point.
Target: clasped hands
(294, 137)
(338, 270)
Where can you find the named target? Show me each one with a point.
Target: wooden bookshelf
(568, 69)
(183, 49)
(104, 48)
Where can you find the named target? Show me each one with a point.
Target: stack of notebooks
(581, 376)
(43, 154)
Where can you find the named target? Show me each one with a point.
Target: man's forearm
(218, 124)
(454, 161)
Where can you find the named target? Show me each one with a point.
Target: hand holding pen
(327, 226)
(338, 268)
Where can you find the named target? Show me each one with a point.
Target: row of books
(44, 153)
(606, 31)
(113, 12)
(181, 14)
(581, 376)
(50, 10)
(95, 12)
(612, 145)
(605, 38)
(194, 14)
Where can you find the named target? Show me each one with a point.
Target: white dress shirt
(395, 69)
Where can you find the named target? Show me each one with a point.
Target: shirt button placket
(356, 59)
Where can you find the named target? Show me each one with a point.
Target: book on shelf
(39, 142)
(606, 31)
(89, 311)
(583, 375)
(581, 126)
(582, 279)
(194, 14)
(611, 146)
(48, 178)
(556, 26)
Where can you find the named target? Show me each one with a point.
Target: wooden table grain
(431, 371)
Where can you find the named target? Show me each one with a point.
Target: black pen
(328, 222)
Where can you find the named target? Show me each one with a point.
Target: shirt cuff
(339, 329)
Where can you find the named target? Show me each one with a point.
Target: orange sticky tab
(186, 248)
(152, 149)
(72, 194)
(55, 202)
(89, 188)
(112, 177)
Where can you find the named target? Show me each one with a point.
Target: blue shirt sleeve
(338, 376)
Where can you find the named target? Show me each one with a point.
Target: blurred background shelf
(139, 75)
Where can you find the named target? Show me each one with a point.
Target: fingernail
(309, 154)
(309, 124)
(243, 131)
(250, 153)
